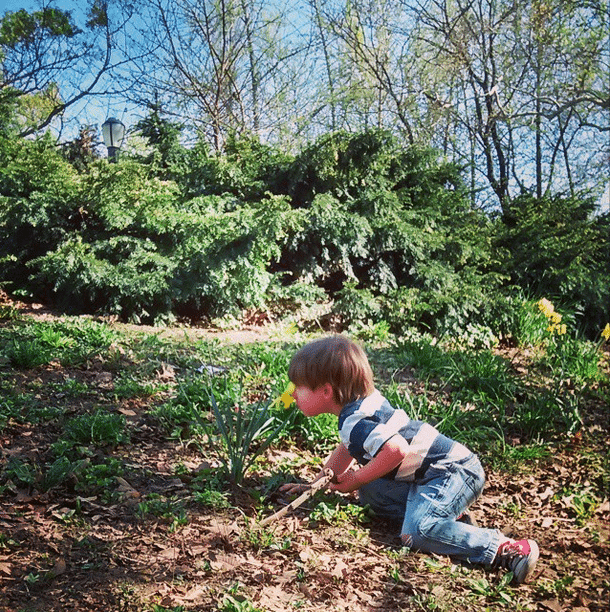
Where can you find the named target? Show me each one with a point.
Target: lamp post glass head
(113, 132)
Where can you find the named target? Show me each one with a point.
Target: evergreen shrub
(384, 231)
(556, 247)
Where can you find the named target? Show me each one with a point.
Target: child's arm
(390, 455)
(339, 461)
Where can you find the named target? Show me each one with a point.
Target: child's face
(312, 402)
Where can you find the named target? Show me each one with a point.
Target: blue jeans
(429, 507)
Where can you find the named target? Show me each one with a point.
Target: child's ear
(327, 391)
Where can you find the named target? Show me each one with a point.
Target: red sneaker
(518, 557)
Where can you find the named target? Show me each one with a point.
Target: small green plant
(71, 342)
(320, 433)
(33, 578)
(265, 539)
(172, 510)
(99, 428)
(532, 323)
(480, 373)
(416, 405)
(71, 387)
(9, 312)
(57, 473)
(21, 473)
(212, 497)
(423, 354)
(376, 332)
(338, 513)
(395, 574)
(562, 587)
(247, 431)
(574, 360)
(580, 501)
(513, 509)
(187, 410)
(6, 542)
(127, 385)
(500, 592)
(512, 459)
(233, 601)
(25, 354)
(99, 478)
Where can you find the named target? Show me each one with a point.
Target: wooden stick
(318, 485)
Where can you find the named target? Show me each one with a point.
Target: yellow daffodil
(546, 307)
(555, 318)
(286, 397)
(560, 330)
(606, 332)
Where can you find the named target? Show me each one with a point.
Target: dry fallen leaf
(194, 593)
(551, 604)
(59, 568)
(340, 569)
(224, 563)
(169, 553)
(5, 568)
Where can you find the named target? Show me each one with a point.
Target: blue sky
(93, 111)
(96, 110)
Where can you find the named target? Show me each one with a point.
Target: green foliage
(38, 204)
(339, 514)
(211, 494)
(383, 231)
(170, 509)
(556, 247)
(31, 344)
(22, 27)
(501, 592)
(186, 408)
(130, 385)
(530, 324)
(57, 473)
(319, 434)
(168, 155)
(100, 428)
(573, 359)
(246, 430)
(481, 372)
(28, 353)
(393, 221)
(21, 473)
(488, 403)
(234, 602)
(354, 304)
(227, 254)
(98, 478)
(123, 276)
(246, 169)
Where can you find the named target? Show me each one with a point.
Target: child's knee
(418, 534)
(383, 500)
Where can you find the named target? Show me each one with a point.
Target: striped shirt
(366, 425)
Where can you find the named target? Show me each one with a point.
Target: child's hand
(346, 482)
(292, 488)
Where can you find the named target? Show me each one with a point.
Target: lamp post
(113, 132)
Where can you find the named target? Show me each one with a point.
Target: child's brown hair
(335, 360)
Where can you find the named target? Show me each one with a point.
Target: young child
(408, 471)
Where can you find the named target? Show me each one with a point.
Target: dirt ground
(62, 552)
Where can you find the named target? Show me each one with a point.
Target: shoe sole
(525, 568)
